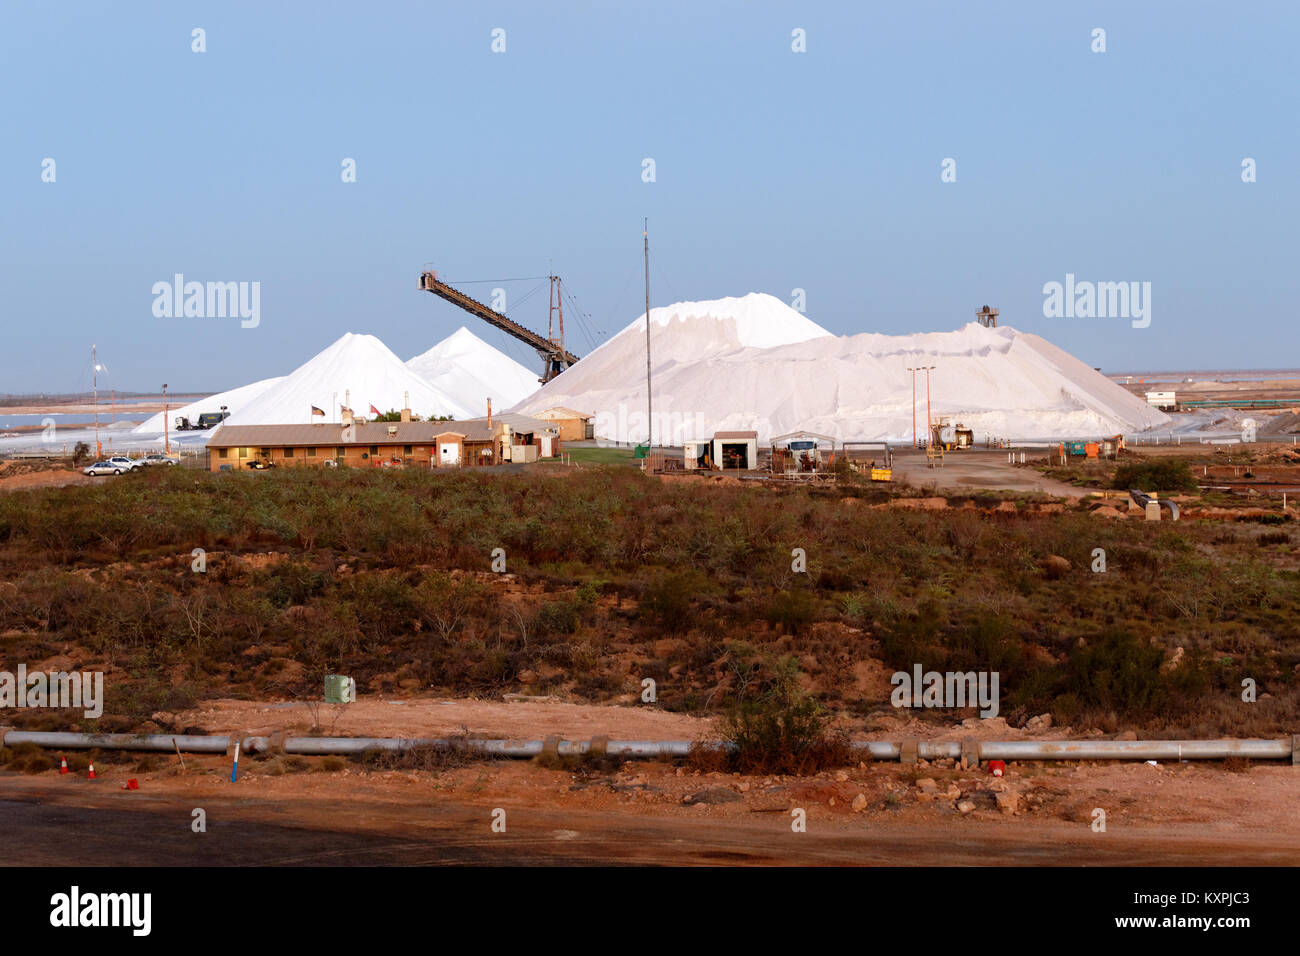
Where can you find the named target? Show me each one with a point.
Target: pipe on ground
(1256, 749)
(189, 743)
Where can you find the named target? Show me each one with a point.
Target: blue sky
(775, 170)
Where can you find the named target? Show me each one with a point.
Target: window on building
(222, 452)
(311, 451)
(406, 449)
(288, 453)
(374, 449)
(243, 453)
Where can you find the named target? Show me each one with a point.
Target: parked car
(127, 464)
(104, 468)
(156, 459)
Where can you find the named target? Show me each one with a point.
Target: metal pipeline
(1256, 749)
(65, 741)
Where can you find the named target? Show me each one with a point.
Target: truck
(205, 421)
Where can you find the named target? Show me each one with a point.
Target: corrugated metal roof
(522, 423)
(734, 436)
(370, 433)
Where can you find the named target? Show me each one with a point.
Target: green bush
(782, 730)
(1164, 474)
(793, 611)
(1118, 671)
(667, 599)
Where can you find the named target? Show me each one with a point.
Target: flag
(318, 411)
(374, 411)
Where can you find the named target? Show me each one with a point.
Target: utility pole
(167, 442)
(649, 407)
(94, 362)
(915, 438)
(929, 424)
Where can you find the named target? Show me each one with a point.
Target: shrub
(667, 600)
(783, 735)
(1165, 474)
(1118, 671)
(793, 611)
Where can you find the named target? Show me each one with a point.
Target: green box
(340, 689)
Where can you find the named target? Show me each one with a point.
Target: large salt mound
(613, 376)
(234, 400)
(359, 364)
(471, 372)
(1000, 382)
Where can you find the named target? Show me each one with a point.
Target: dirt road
(100, 831)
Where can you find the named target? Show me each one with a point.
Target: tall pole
(649, 407)
(94, 363)
(929, 422)
(167, 442)
(915, 438)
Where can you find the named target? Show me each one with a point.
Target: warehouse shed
(735, 450)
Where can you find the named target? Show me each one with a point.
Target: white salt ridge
(355, 363)
(471, 372)
(723, 365)
(234, 399)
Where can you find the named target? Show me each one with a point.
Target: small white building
(735, 451)
(1165, 401)
(697, 455)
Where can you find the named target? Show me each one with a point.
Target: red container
(132, 784)
(998, 768)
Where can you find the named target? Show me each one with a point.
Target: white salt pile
(471, 372)
(357, 368)
(755, 363)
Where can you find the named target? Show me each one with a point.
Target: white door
(449, 454)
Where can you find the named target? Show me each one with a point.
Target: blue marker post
(234, 767)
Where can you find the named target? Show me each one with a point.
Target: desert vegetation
(612, 577)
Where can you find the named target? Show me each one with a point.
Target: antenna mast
(649, 408)
(557, 308)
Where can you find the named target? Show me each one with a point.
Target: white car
(126, 464)
(156, 459)
(104, 468)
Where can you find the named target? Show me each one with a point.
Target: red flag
(374, 411)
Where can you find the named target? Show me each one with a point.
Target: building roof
(371, 433)
(735, 436)
(522, 423)
(559, 411)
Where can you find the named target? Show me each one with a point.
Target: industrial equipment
(555, 357)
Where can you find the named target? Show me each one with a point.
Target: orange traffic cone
(63, 765)
(91, 775)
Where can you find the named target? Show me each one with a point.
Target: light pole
(915, 437)
(929, 425)
(167, 442)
